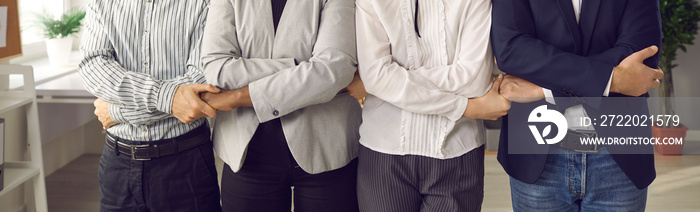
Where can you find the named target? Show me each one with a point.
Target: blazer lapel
(567, 11)
(589, 15)
(260, 14)
(297, 29)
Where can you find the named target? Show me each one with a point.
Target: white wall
(687, 74)
(79, 4)
(686, 81)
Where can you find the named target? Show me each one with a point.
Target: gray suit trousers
(407, 183)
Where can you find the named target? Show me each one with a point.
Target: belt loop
(116, 146)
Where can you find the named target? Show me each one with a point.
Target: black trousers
(185, 181)
(269, 171)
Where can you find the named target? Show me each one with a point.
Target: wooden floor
(73, 188)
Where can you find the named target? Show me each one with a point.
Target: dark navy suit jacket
(541, 42)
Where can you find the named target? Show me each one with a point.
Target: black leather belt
(160, 148)
(572, 141)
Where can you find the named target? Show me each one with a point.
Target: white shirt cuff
(548, 96)
(607, 88)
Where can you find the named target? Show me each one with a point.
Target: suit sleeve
(519, 51)
(223, 63)
(318, 80)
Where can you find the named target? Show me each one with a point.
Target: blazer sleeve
(519, 52)
(222, 60)
(330, 68)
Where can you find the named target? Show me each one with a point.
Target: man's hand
(188, 107)
(228, 99)
(356, 88)
(631, 77)
(491, 106)
(102, 113)
(519, 90)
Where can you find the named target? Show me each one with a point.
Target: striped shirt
(136, 54)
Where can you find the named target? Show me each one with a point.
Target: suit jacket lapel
(567, 11)
(260, 13)
(297, 29)
(587, 21)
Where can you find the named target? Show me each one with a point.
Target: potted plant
(679, 20)
(57, 31)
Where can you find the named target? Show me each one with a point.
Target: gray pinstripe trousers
(407, 183)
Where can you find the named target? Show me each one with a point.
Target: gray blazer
(295, 75)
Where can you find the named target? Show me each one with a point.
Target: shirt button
(146, 31)
(145, 63)
(149, 1)
(275, 113)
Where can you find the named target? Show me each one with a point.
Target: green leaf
(68, 24)
(679, 22)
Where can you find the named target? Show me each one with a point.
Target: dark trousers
(411, 183)
(185, 181)
(268, 173)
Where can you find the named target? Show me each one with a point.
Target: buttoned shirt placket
(146, 46)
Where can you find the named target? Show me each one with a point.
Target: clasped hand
(190, 102)
(204, 100)
(631, 77)
(228, 99)
(496, 102)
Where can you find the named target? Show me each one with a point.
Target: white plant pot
(58, 50)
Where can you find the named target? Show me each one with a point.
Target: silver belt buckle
(133, 152)
(586, 133)
(583, 133)
(595, 150)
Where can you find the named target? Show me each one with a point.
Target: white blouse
(420, 86)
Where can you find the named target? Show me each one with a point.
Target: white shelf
(45, 72)
(11, 103)
(17, 173)
(56, 83)
(32, 170)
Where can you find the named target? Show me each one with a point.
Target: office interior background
(72, 138)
